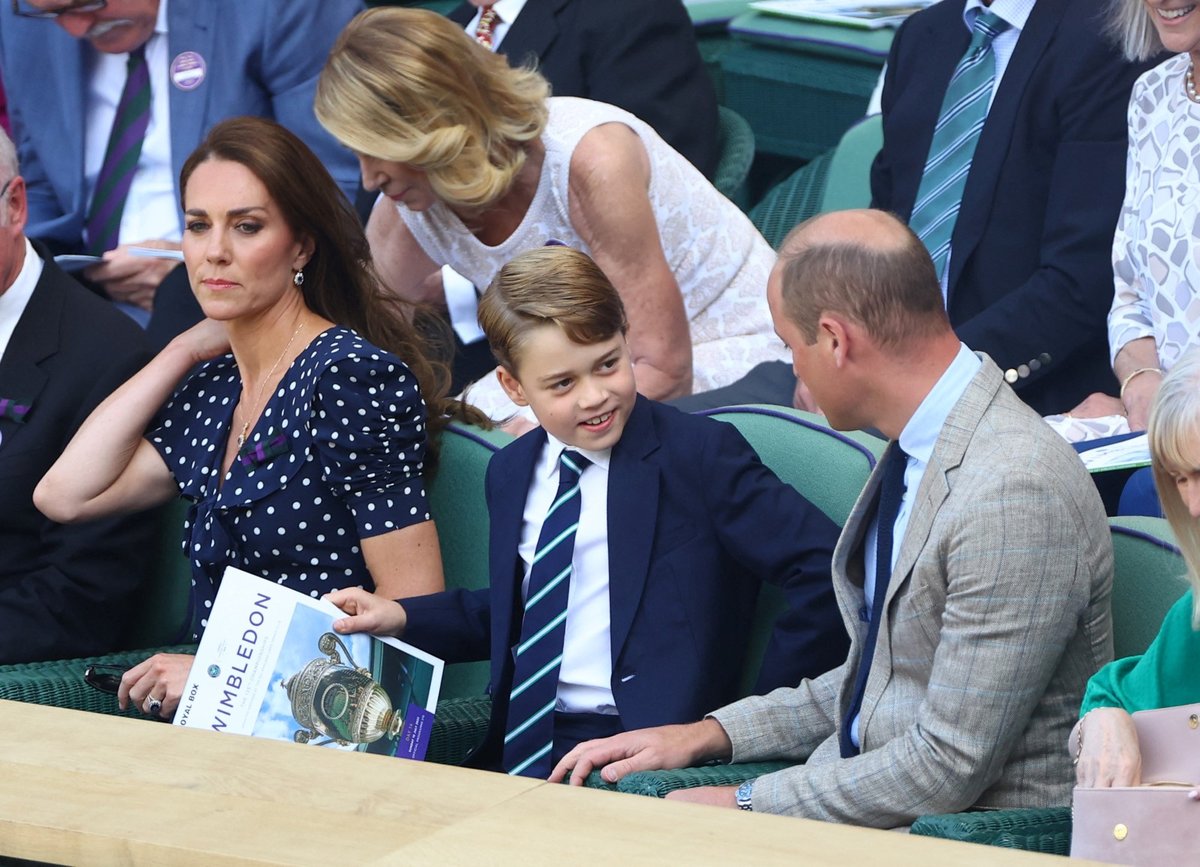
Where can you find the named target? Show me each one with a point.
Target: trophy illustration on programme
(271, 665)
(340, 700)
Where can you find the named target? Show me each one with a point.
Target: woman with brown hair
(480, 164)
(301, 438)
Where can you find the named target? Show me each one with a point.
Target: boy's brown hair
(555, 285)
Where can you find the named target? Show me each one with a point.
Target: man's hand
(675, 746)
(716, 796)
(130, 278)
(368, 613)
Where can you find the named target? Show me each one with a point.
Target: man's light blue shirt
(917, 440)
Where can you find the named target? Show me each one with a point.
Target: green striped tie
(121, 157)
(529, 737)
(964, 111)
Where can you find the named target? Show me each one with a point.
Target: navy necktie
(891, 494)
(121, 157)
(530, 728)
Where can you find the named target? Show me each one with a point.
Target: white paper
(1133, 452)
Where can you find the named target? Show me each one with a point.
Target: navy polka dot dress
(335, 457)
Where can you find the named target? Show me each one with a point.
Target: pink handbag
(1156, 822)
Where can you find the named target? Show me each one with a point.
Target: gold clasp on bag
(1193, 721)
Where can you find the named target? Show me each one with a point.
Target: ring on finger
(153, 705)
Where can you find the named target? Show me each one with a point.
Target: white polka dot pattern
(353, 422)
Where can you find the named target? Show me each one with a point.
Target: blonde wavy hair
(1174, 435)
(410, 86)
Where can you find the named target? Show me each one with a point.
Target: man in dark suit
(639, 55)
(64, 591)
(206, 61)
(1030, 276)
(677, 523)
(1029, 280)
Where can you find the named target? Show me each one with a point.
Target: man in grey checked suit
(997, 607)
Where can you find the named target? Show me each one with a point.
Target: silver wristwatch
(745, 795)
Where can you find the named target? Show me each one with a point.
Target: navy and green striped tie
(121, 157)
(964, 111)
(530, 729)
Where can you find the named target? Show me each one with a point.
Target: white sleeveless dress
(719, 259)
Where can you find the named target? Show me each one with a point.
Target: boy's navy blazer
(694, 522)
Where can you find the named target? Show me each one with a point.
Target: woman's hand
(155, 686)
(1108, 749)
(1138, 370)
(1098, 405)
(368, 613)
(207, 339)
(1139, 395)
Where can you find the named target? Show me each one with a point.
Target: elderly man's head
(114, 27)
(12, 214)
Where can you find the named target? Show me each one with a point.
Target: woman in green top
(1168, 673)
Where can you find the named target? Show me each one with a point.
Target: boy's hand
(368, 613)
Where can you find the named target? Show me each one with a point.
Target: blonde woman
(477, 163)
(1168, 673)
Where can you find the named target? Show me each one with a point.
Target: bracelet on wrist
(1079, 739)
(1130, 378)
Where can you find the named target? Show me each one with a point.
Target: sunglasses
(106, 678)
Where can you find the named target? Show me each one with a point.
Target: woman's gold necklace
(241, 440)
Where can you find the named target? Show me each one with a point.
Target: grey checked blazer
(997, 613)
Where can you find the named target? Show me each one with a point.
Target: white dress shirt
(152, 206)
(1015, 13)
(917, 440)
(585, 677)
(14, 299)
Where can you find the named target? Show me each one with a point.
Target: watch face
(744, 795)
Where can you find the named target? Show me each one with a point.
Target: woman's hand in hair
(207, 339)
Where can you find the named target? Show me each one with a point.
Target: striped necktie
(121, 157)
(964, 111)
(530, 731)
(487, 24)
(891, 495)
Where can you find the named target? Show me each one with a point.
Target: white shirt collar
(14, 300)
(1015, 12)
(548, 463)
(921, 433)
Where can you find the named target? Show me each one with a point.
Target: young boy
(627, 540)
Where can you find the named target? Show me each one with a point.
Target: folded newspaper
(270, 665)
(871, 15)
